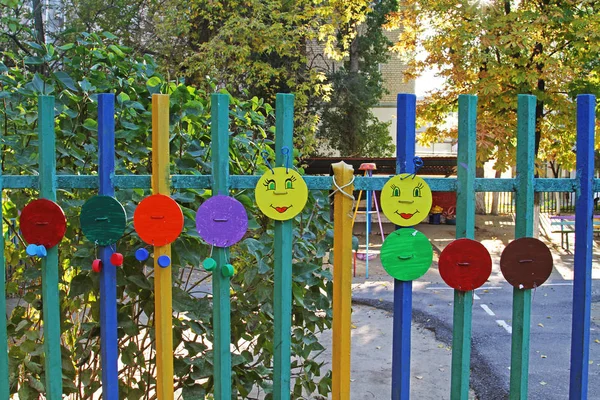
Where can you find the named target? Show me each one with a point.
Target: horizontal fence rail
(313, 182)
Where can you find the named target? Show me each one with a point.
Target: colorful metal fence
(342, 183)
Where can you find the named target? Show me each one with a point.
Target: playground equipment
(371, 196)
(343, 184)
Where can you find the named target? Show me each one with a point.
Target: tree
(251, 47)
(497, 50)
(348, 123)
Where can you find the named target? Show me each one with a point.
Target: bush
(75, 72)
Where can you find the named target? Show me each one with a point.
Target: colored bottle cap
(209, 264)
(97, 265)
(164, 261)
(227, 270)
(141, 254)
(41, 251)
(31, 250)
(116, 259)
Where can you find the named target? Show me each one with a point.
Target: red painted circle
(158, 220)
(465, 264)
(43, 222)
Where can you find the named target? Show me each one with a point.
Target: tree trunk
(480, 196)
(39, 21)
(495, 197)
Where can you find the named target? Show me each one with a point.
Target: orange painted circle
(158, 220)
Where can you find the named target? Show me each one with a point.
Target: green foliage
(347, 123)
(254, 48)
(75, 72)
(497, 50)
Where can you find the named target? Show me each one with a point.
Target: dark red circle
(43, 222)
(526, 263)
(158, 220)
(465, 264)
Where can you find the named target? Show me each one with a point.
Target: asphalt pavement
(550, 339)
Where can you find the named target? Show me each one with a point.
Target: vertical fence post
(342, 280)
(4, 383)
(521, 315)
(50, 278)
(405, 152)
(582, 284)
(108, 275)
(465, 228)
(221, 283)
(282, 307)
(162, 276)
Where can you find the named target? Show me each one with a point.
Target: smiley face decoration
(281, 193)
(406, 254)
(406, 199)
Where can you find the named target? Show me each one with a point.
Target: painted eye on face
(270, 184)
(417, 191)
(395, 191)
(289, 182)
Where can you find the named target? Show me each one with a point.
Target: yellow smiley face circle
(406, 199)
(281, 193)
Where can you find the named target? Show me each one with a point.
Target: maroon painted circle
(526, 263)
(221, 221)
(43, 222)
(465, 264)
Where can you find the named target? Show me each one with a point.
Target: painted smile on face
(281, 193)
(406, 199)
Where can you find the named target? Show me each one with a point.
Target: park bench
(565, 224)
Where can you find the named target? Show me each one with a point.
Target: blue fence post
(584, 214)
(405, 152)
(108, 275)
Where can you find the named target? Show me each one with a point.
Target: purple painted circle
(221, 221)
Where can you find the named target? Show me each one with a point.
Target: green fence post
(50, 278)
(221, 283)
(282, 299)
(521, 315)
(4, 388)
(465, 228)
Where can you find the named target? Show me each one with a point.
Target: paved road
(492, 314)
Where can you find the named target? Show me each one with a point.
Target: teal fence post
(282, 299)
(50, 278)
(465, 228)
(521, 315)
(4, 383)
(221, 283)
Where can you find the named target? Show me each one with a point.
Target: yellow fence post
(342, 279)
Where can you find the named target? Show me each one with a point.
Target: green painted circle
(406, 254)
(103, 220)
